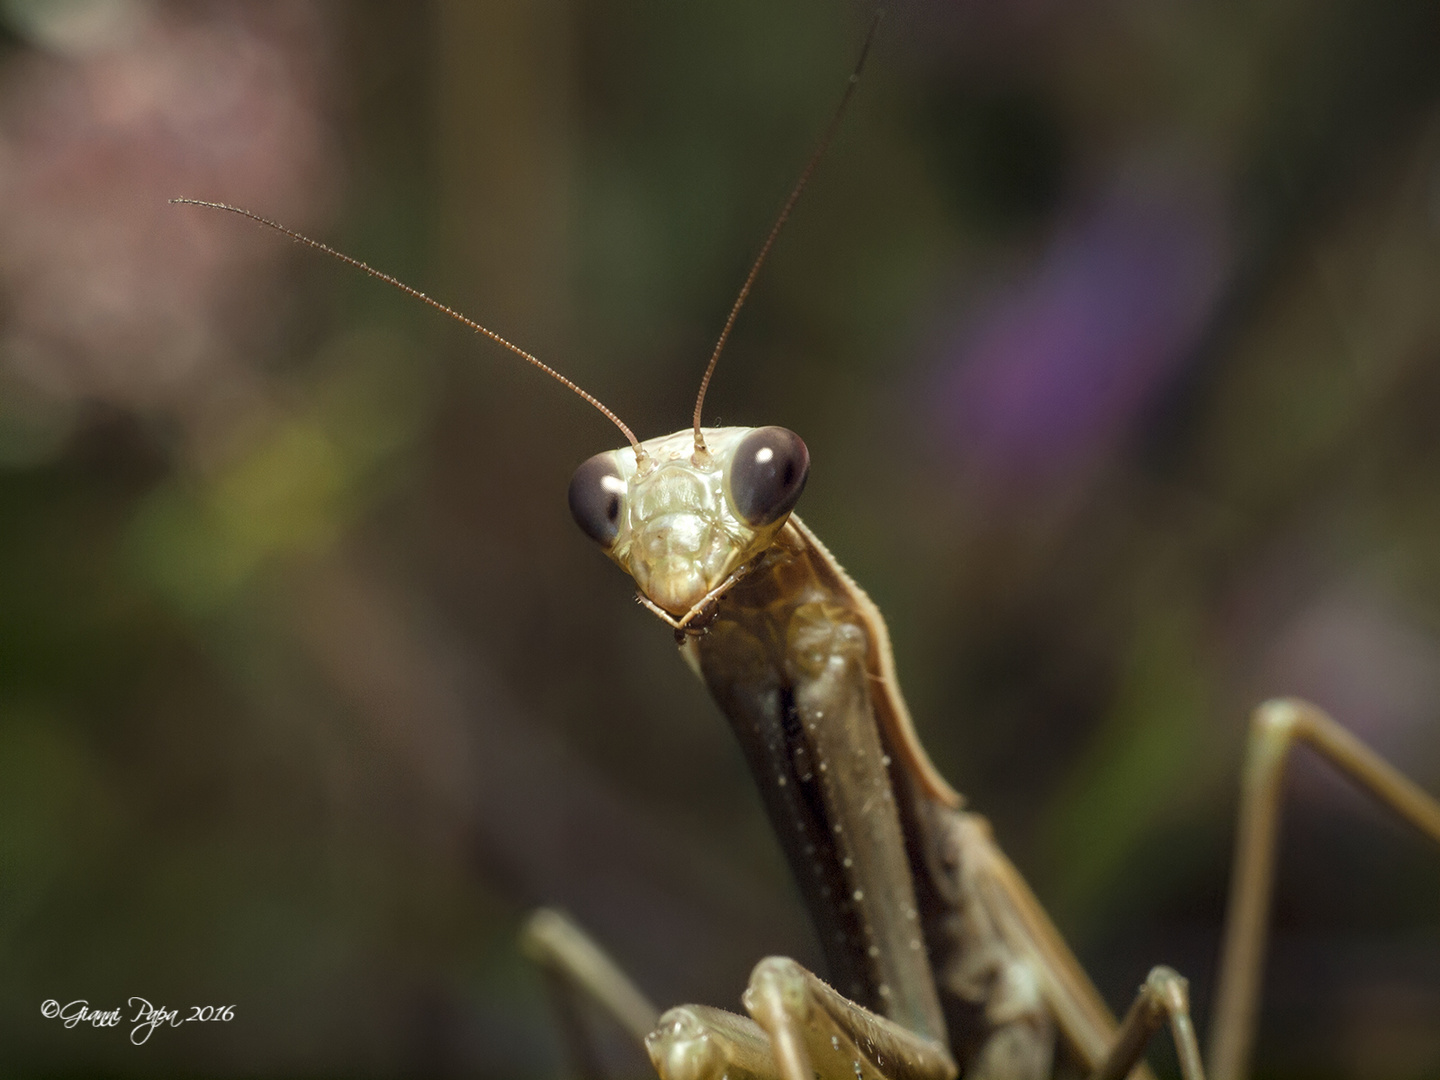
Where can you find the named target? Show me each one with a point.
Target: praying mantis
(917, 907)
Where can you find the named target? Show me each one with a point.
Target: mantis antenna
(825, 139)
(640, 455)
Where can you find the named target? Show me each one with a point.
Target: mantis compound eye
(596, 491)
(767, 475)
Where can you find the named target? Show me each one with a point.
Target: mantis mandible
(940, 959)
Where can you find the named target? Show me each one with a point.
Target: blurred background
(1113, 328)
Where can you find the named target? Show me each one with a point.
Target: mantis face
(681, 523)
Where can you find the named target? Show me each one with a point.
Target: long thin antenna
(825, 140)
(436, 304)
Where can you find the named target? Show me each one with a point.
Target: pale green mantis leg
(800, 1020)
(688, 1041)
(1165, 995)
(575, 968)
(801, 1029)
(1275, 727)
(694, 1042)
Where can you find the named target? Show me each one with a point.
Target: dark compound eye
(767, 475)
(595, 494)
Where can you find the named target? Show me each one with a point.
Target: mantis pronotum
(936, 918)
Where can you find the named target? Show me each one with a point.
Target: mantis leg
(801, 1029)
(1275, 727)
(1164, 995)
(688, 1043)
(576, 969)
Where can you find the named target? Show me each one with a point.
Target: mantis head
(683, 523)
